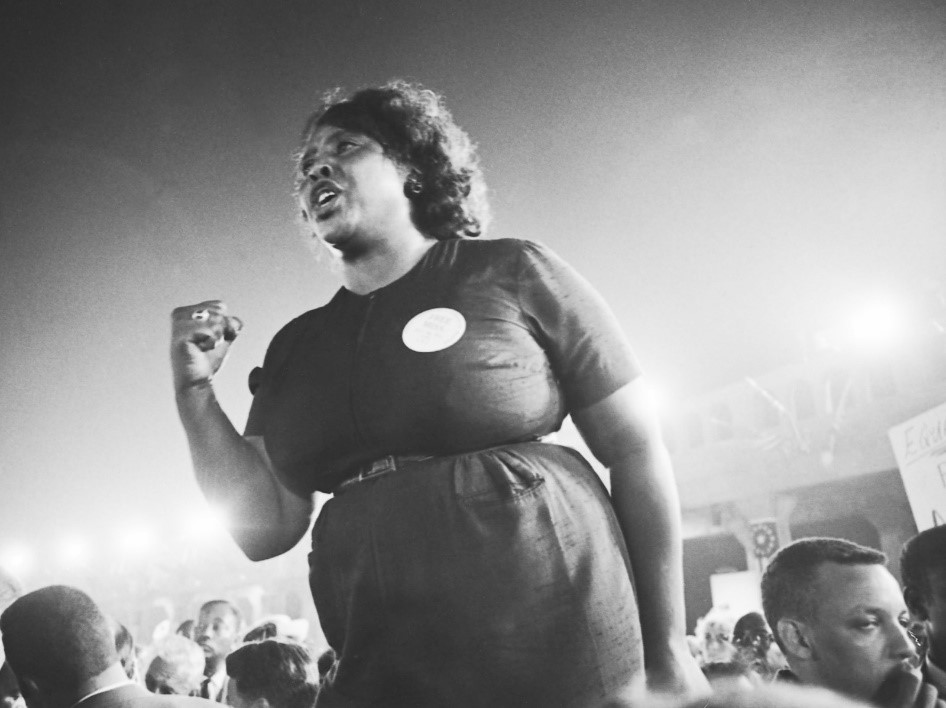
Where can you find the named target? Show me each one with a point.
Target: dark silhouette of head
(923, 570)
(272, 674)
(56, 639)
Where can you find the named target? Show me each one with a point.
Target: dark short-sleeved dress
(492, 573)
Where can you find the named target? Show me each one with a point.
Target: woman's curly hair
(416, 130)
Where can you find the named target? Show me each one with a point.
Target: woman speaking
(461, 560)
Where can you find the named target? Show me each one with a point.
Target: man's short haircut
(58, 637)
(282, 672)
(788, 581)
(234, 610)
(924, 552)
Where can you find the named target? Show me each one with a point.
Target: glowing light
(73, 551)
(136, 539)
(16, 559)
(658, 398)
(879, 325)
(207, 523)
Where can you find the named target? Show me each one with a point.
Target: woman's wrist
(191, 387)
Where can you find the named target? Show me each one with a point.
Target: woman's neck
(366, 271)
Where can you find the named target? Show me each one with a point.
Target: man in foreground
(62, 651)
(840, 618)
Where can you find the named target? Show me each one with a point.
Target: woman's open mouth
(324, 200)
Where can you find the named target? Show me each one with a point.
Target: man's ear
(260, 703)
(794, 636)
(32, 695)
(915, 603)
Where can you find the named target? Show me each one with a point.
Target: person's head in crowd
(755, 646)
(186, 629)
(125, 646)
(177, 667)
(923, 570)
(326, 664)
(714, 632)
(59, 645)
(218, 632)
(266, 630)
(752, 631)
(839, 616)
(272, 674)
(278, 627)
(9, 689)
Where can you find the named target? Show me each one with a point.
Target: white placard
(740, 592)
(920, 447)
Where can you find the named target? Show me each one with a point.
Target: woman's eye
(345, 146)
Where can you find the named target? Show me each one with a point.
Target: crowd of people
(61, 649)
(836, 629)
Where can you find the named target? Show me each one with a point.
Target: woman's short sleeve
(260, 379)
(589, 353)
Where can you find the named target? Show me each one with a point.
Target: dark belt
(376, 468)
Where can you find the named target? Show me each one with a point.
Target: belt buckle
(377, 467)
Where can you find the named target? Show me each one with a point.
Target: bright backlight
(136, 539)
(206, 524)
(16, 559)
(878, 326)
(73, 551)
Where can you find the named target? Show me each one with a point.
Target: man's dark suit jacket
(134, 696)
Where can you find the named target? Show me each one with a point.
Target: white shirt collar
(110, 687)
(216, 685)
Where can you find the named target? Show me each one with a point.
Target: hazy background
(729, 174)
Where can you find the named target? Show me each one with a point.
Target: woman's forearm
(623, 432)
(647, 507)
(265, 519)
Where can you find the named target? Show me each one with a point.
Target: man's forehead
(218, 609)
(840, 585)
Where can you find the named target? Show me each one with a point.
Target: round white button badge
(433, 330)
